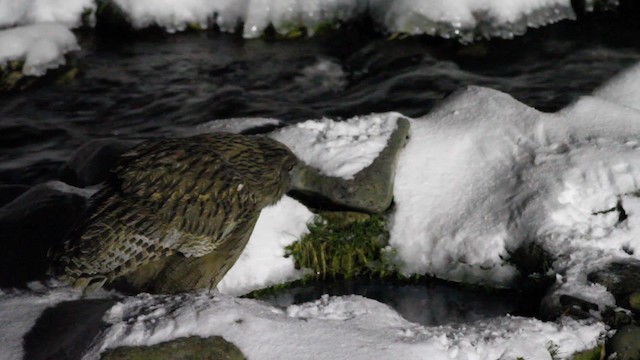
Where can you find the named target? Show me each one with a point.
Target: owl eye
(290, 167)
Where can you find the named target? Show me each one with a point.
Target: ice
(23, 12)
(41, 46)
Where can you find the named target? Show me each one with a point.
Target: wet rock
(29, 225)
(621, 278)
(616, 317)
(8, 193)
(92, 162)
(371, 189)
(634, 302)
(625, 343)
(190, 348)
(12, 79)
(66, 330)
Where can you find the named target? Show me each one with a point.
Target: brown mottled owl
(189, 196)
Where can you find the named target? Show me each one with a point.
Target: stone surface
(597, 353)
(634, 302)
(65, 331)
(625, 343)
(8, 193)
(93, 161)
(190, 348)
(621, 278)
(371, 189)
(29, 226)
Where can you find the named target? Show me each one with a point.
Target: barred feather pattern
(182, 195)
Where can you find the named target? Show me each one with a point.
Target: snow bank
(23, 12)
(464, 19)
(41, 46)
(339, 148)
(451, 18)
(349, 327)
(484, 174)
(262, 263)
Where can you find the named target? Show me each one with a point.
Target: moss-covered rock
(625, 343)
(190, 348)
(371, 189)
(12, 79)
(597, 353)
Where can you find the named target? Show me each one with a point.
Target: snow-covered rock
(41, 46)
(463, 19)
(24, 12)
(349, 327)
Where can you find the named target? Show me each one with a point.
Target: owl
(182, 198)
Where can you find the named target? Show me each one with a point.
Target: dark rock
(634, 302)
(92, 162)
(621, 278)
(29, 226)
(625, 343)
(66, 330)
(190, 348)
(371, 189)
(8, 193)
(615, 317)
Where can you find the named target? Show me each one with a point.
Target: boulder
(188, 348)
(29, 225)
(621, 278)
(370, 190)
(8, 193)
(625, 343)
(92, 162)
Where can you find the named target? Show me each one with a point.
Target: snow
(262, 263)
(449, 18)
(339, 148)
(41, 46)
(348, 327)
(24, 12)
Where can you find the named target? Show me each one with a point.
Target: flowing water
(147, 85)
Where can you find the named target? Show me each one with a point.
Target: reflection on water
(427, 304)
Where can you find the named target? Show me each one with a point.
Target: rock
(92, 162)
(597, 353)
(29, 226)
(371, 189)
(625, 343)
(634, 302)
(66, 330)
(8, 193)
(189, 348)
(621, 278)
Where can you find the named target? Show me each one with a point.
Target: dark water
(429, 304)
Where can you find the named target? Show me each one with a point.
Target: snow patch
(24, 12)
(41, 46)
(262, 263)
(233, 125)
(339, 148)
(348, 327)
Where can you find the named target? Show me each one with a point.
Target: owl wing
(190, 187)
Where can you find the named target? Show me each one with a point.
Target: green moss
(597, 353)
(335, 249)
(554, 350)
(634, 301)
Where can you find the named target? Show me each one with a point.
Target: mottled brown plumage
(191, 196)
